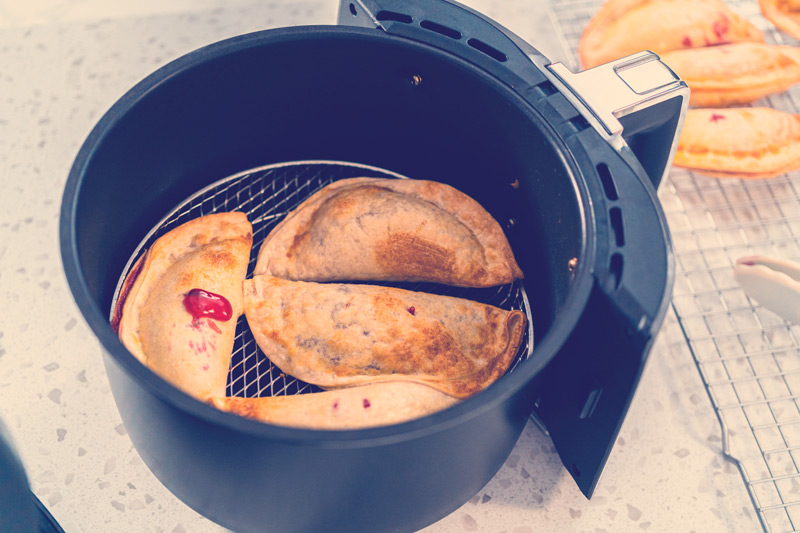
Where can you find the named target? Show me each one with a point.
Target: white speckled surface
(62, 64)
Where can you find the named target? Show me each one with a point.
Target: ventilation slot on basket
(616, 224)
(592, 399)
(607, 181)
(616, 221)
(578, 123)
(544, 89)
(438, 28)
(617, 261)
(394, 17)
(490, 51)
(615, 269)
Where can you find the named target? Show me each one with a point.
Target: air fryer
(567, 163)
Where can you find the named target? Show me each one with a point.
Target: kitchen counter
(63, 64)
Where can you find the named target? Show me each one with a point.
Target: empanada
(178, 307)
(372, 229)
(340, 335)
(753, 142)
(377, 404)
(784, 14)
(623, 27)
(734, 74)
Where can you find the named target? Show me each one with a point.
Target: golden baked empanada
(339, 335)
(734, 74)
(377, 404)
(753, 142)
(623, 27)
(178, 307)
(389, 230)
(784, 14)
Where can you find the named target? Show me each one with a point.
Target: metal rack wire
(748, 358)
(266, 194)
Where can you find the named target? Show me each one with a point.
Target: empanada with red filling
(377, 404)
(624, 27)
(735, 74)
(372, 229)
(757, 142)
(339, 335)
(784, 14)
(179, 305)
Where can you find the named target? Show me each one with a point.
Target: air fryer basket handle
(636, 99)
(583, 395)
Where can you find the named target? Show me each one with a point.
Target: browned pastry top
(623, 27)
(735, 74)
(377, 404)
(753, 142)
(339, 335)
(784, 14)
(180, 303)
(374, 229)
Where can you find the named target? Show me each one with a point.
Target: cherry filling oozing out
(200, 304)
(720, 27)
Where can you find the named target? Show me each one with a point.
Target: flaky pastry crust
(377, 404)
(209, 253)
(784, 14)
(623, 27)
(372, 229)
(735, 74)
(753, 142)
(339, 335)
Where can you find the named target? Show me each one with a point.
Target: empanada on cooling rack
(179, 304)
(378, 404)
(735, 74)
(623, 27)
(784, 14)
(753, 142)
(339, 335)
(375, 229)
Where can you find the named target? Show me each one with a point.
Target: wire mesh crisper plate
(748, 358)
(266, 195)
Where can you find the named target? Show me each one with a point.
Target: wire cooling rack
(748, 358)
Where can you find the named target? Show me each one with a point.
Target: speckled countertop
(62, 64)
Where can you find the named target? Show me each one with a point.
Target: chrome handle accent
(614, 90)
(612, 94)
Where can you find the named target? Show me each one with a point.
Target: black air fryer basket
(567, 163)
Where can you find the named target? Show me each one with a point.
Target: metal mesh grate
(266, 195)
(748, 358)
